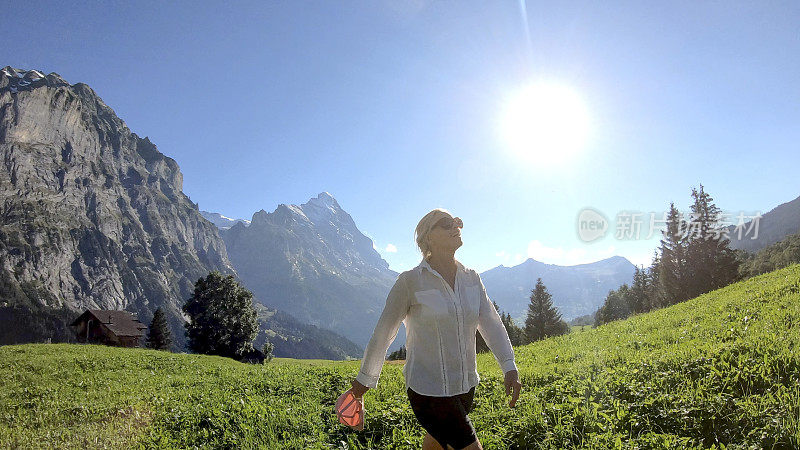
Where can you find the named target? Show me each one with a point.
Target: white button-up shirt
(440, 332)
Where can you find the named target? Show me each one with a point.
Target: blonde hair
(424, 227)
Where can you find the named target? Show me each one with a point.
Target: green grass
(719, 371)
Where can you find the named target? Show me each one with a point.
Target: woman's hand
(512, 384)
(358, 389)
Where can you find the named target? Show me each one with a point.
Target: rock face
(93, 216)
(312, 262)
(577, 290)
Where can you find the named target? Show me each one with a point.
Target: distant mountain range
(576, 290)
(773, 226)
(313, 262)
(222, 222)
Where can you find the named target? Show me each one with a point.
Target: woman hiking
(442, 304)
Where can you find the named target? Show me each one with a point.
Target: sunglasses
(449, 222)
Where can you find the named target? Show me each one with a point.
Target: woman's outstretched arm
(494, 333)
(397, 303)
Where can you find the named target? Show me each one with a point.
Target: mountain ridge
(773, 226)
(311, 261)
(577, 290)
(92, 213)
(94, 216)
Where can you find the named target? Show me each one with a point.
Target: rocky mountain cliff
(312, 262)
(576, 290)
(93, 216)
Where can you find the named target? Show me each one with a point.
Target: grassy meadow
(719, 371)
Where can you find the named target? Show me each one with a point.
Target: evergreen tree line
(398, 354)
(641, 296)
(24, 317)
(777, 256)
(693, 258)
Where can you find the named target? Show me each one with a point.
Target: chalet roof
(121, 323)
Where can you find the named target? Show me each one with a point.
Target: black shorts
(445, 418)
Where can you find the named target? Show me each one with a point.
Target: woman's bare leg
(474, 446)
(429, 443)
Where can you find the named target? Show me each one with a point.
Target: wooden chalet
(115, 328)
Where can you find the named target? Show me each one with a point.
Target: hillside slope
(774, 226)
(720, 369)
(295, 339)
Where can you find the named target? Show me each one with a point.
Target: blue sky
(394, 108)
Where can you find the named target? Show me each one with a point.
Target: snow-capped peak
(18, 79)
(323, 201)
(30, 75)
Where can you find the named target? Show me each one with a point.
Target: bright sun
(545, 122)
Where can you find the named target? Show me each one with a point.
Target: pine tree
(543, 319)
(710, 261)
(268, 351)
(654, 296)
(694, 257)
(158, 335)
(515, 333)
(672, 267)
(615, 306)
(222, 318)
(639, 300)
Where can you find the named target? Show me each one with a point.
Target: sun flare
(545, 122)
